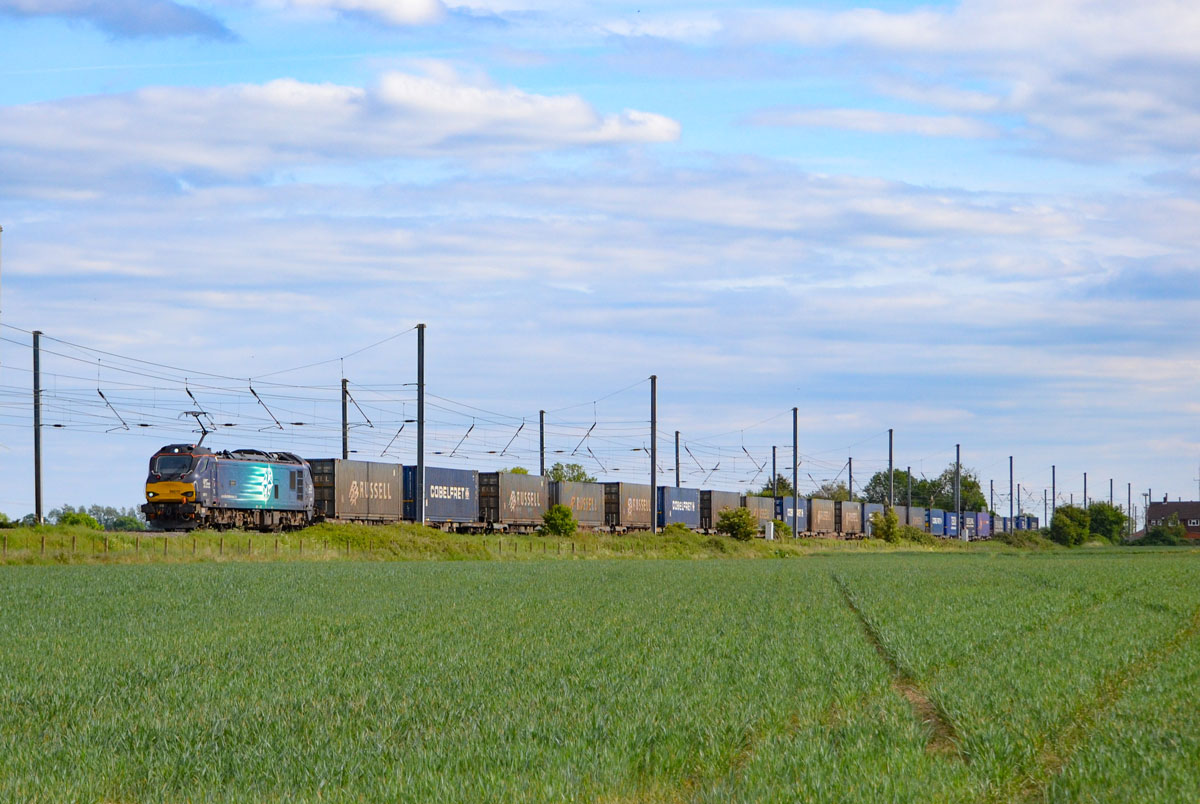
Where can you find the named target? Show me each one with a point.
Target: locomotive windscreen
(172, 464)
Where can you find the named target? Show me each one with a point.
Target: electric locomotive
(191, 486)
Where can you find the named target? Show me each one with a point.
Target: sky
(970, 223)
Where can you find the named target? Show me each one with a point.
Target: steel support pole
(958, 486)
(419, 495)
(676, 459)
(909, 471)
(1129, 512)
(891, 473)
(654, 453)
(1085, 502)
(850, 482)
(1011, 498)
(345, 423)
(1053, 489)
(542, 443)
(37, 425)
(774, 476)
(991, 495)
(1110, 492)
(795, 467)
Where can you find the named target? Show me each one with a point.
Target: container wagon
(626, 506)
(586, 501)
(357, 491)
(951, 525)
(785, 507)
(821, 516)
(712, 503)
(849, 518)
(936, 520)
(968, 529)
(678, 506)
(917, 519)
(509, 501)
(983, 528)
(763, 508)
(451, 496)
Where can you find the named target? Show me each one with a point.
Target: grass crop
(843, 675)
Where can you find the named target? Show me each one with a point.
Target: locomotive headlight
(151, 493)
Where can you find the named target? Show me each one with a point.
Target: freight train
(190, 486)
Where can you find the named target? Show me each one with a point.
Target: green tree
(738, 523)
(1070, 525)
(559, 520)
(876, 490)
(782, 529)
(768, 490)
(569, 473)
(79, 518)
(1107, 521)
(832, 490)
(937, 492)
(516, 470)
(125, 523)
(886, 525)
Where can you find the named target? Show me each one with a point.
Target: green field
(838, 676)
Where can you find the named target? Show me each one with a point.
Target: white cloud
(877, 122)
(392, 12)
(125, 18)
(246, 130)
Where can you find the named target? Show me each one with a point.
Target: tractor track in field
(943, 738)
(1031, 786)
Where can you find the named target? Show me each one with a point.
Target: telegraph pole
(345, 423)
(542, 442)
(37, 425)
(419, 491)
(653, 453)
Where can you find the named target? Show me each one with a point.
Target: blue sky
(971, 222)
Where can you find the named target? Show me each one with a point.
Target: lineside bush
(559, 521)
(737, 523)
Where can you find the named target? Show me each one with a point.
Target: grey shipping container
(360, 491)
(763, 508)
(786, 506)
(451, 495)
(849, 518)
(868, 509)
(821, 518)
(510, 499)
(626, 505)
(713, 502)
(678, 505)
(586, 501)
(916, 518)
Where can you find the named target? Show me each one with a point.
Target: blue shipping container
(951, 524)
(451, 495)
(936, 521)
(785, 506)
(678, 505)
(984, 526)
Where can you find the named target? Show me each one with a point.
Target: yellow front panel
(170, 491)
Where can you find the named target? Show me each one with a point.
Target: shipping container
(358, 491)
(763, 508)
(849, 518)
(917, 518)
(712, 503)
(512, 499)
(1033, 522)
(984, 528)
(951, 525)
(821, 517)
(868, 509)
(586, 501)
(627, 506)
(1005, 524)
(786, 506)
(678, 505)
(451, 495)
(901, 514)
(936, 521)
